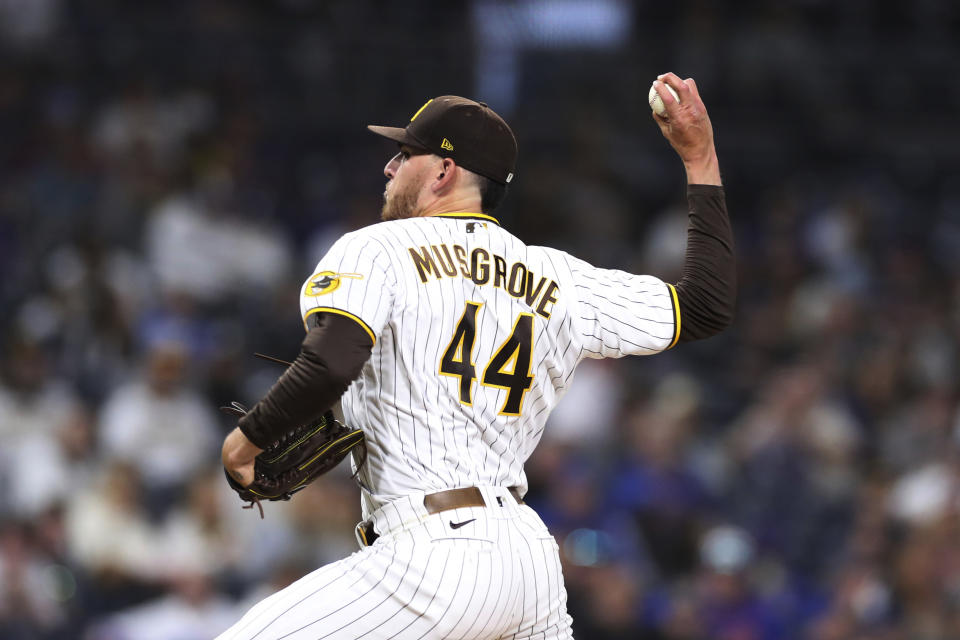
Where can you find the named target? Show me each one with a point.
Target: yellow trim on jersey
(467, 214)
(676, 315)
(341, 312)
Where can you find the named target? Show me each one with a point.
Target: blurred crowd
(170, 172)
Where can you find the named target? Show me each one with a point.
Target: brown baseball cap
(469, 132)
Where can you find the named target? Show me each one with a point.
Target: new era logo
(446, 144)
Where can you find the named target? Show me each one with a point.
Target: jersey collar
(468, 215)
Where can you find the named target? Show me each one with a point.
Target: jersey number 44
(508, 369)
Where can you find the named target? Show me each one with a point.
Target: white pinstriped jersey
(476, 338)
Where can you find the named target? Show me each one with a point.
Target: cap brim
(396, 134)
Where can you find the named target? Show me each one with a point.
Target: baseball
(656, 103)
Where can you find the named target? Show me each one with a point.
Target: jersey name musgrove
(482, 268)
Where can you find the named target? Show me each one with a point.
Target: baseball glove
(297, 458)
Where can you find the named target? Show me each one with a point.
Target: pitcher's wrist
(705, 170)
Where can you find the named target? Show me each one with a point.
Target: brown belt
(457, 498)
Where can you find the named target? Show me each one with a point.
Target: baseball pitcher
(449, 341)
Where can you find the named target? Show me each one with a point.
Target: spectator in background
(730, 607)
(612, 599)
(45, 468)
(29, 603)
(195, 536)
(790, 453)
(33, 399)
(926, 573)
(159, 425)
(585, 416)
(109, 532)
(36, 408)
(721, 601)
(653, 480)
(192, 610)
(322, 521)
(201, 244)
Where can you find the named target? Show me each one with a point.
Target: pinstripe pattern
(408, 283)
(402, 401)
(497, 577)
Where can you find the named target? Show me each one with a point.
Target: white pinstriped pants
(496, 577)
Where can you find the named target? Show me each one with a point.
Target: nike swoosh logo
(460, 524)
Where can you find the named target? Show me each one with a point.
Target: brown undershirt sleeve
(331, 357)
(707, 289)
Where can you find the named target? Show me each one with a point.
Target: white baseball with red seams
(476, 337)
(656, 102)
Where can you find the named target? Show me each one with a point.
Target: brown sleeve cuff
(706, 190)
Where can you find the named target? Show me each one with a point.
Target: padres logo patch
(326, 282)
